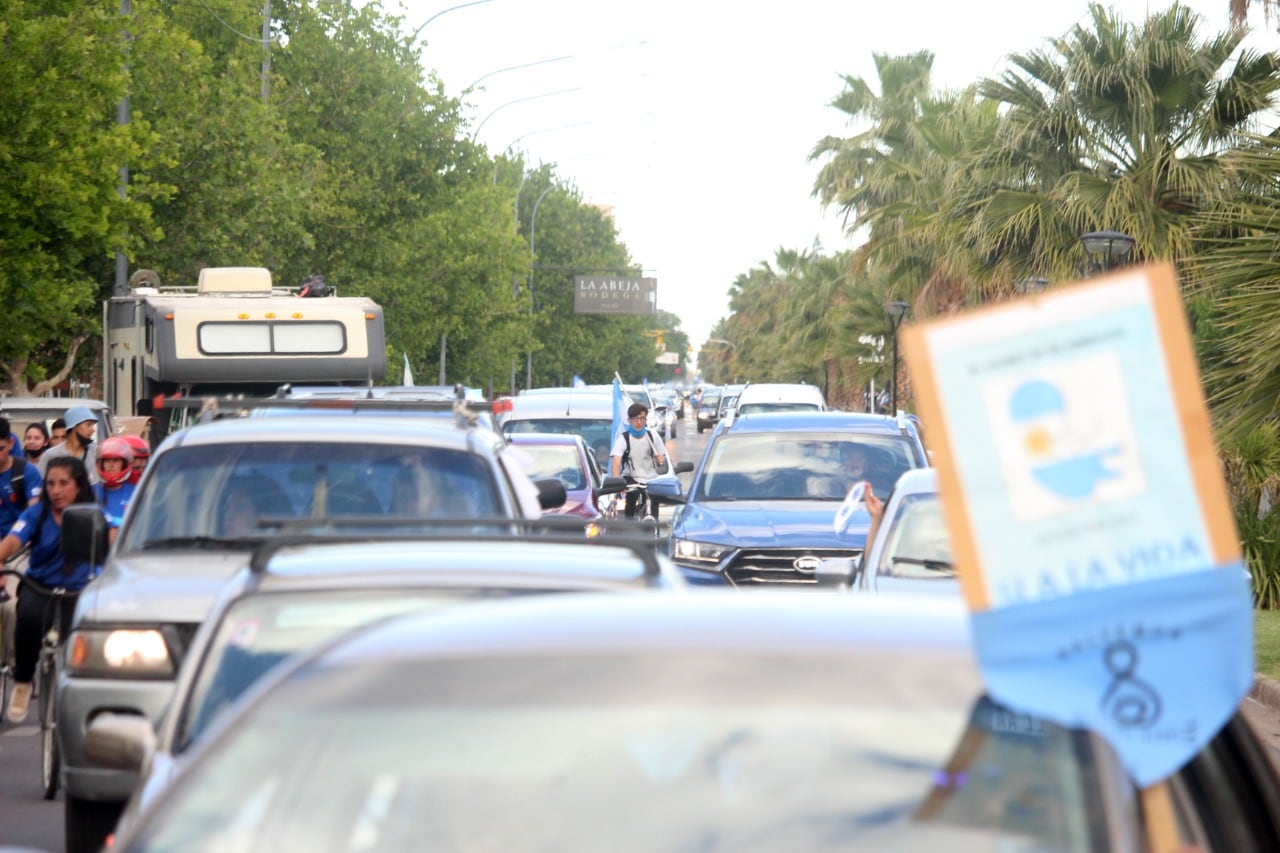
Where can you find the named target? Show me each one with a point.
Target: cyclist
(638, 455)
(114, 488)
(66, 483)
(141, 455)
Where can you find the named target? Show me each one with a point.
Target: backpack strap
(626, 454)
(16, 481)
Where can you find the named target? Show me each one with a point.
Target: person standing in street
(82, 428)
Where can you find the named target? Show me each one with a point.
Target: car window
(260, 631)
(556, 460)
(596, 432)
(799, 466)
(723, 753)
(225, 492)
(917, 544)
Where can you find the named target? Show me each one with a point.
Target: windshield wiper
(935, 565)
(212, 543)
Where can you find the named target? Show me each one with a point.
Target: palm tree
(1123, 127)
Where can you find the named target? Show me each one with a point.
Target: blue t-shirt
(12, 505)
(116, 501)
(45, 562)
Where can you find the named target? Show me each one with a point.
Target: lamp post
(533, 224)
(1111, 247)
(414, 35)
(896, 311)
(475, 133)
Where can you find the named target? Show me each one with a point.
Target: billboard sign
(614, 295)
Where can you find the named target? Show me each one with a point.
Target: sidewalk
(1261, 707)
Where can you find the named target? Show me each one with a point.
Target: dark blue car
(762, 503)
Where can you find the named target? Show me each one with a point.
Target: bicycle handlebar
(39, 587)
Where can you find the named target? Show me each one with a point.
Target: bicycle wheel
(50, 759)
(6, 683)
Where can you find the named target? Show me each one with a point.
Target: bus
(233, 333)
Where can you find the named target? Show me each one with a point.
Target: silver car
(294, 597)
(715, 721)
(210, 495)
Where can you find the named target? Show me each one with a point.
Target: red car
(568, 458)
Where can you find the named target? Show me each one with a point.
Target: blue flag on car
(577, 381)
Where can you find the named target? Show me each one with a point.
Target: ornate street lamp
(896, 311)
(1107, 249)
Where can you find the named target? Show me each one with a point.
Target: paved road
(26, 819)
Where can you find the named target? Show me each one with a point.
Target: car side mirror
(611, 486)
(84, 534)
(551, 493)
(683, 467)
(666, 487)
(119, 741)
(836, 572)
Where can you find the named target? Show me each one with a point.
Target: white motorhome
(234, 333)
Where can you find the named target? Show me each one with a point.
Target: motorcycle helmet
(115, 448)
(141, 451)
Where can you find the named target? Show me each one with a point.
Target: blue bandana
(635, 431)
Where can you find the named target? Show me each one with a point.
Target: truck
(232, 333)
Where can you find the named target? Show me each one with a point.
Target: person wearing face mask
(35, 441)
(82, 428)
(638, 455)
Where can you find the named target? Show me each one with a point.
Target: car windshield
(225, 494)
(800, 466)
(748, 408)
(596, 432)
(556, 460)
(678, 751)
(710, 401)
(916, 541)
(260, 631)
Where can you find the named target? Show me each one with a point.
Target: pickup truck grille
(764, 567)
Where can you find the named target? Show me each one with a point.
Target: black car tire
(87, 823)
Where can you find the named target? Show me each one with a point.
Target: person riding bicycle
(638, 455)
(40, 525)
(114, 489)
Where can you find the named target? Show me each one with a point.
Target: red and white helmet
(115, 448)
(141, 450)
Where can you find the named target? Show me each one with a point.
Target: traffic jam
(634, 617)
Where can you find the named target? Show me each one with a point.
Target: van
(780, 397)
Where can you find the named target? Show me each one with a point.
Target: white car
(780, 397)
(911, 551)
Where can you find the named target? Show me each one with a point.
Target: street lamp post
(533, 224)
(896, 311)
(1112, 247)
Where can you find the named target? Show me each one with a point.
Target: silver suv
(210, 495)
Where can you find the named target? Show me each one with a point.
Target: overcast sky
(695, 119)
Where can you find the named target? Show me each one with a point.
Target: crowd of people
(47, 470)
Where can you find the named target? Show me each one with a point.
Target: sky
(694, 120)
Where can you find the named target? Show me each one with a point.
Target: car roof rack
(561, 530)
(466, 412)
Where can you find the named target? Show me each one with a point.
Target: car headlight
(119, 653)
(698, 552)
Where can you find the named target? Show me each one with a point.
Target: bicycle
(46, 683)
(648, 520)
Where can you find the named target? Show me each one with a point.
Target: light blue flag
(408, 371)
(1155, 667)
(577, 381)
(619, 411)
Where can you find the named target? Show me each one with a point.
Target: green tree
(61, 217)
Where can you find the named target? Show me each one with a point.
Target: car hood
(770, 524)
(166, 586)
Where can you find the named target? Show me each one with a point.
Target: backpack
(653, 450)
(15, 482)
